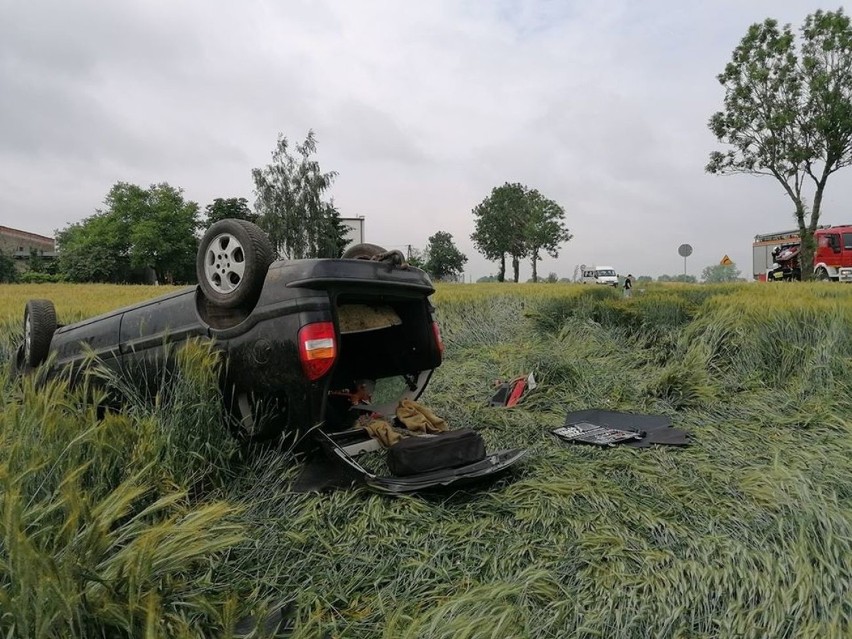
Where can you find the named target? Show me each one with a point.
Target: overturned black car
(310, 346)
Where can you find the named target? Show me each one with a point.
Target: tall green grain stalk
(745, 533)
(99, 536)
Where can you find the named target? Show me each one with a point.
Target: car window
(847, 241)
(834, 242)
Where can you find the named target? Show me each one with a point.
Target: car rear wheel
(39, 327)
(232, 261)
(363, 252)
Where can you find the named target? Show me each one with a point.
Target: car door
(150, 332)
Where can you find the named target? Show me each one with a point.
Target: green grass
(151, 522)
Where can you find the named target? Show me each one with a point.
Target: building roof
(25, 235)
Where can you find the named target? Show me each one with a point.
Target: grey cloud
(421, 107)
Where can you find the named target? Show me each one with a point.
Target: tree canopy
(544, 229)
(139, 228)
(231, 207)
(291, 206)
(681, 277)
(517, 222)
(788, 112)
(8, 272)
(443, 260)
(717, 273)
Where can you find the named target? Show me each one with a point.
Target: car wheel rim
(28, 336)
(224, 263)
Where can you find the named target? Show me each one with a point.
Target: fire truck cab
(776, 256)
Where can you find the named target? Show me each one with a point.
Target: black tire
(16, 363)
(822, 274)
(260, 238)
(363, 252)
(39, 327)
(232, 261)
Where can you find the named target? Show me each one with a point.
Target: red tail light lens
(317, 349)
(436, 331)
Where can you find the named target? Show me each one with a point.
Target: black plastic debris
(321, 474)
(602, 427)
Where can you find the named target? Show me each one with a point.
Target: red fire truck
(776, 255)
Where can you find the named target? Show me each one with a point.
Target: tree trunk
(806, 237)
(515, 266)
(501, 274)
(806, 255)
(535, 266)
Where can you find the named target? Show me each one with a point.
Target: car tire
(39, 327)
(232, 261)
(16, 362)
(822, 274)
(363, 252)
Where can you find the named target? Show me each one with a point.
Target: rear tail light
(317, 349)
(436, 331)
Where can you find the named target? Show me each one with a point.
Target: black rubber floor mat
(657, 428)
(319, 474)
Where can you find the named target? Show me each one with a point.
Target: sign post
(684, 250)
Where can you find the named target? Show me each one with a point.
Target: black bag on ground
(426, 453)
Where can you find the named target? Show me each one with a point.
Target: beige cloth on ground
(419, 419)
(381, 430)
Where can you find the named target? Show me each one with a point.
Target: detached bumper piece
(344, 447)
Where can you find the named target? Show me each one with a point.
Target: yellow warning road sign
(726, 261)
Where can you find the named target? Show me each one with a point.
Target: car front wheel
(39, 327)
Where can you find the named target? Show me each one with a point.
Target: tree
(333, 243)
(716, 273)
(8, 272)
(500, 224)
(232, 207)
(545, 229)
(688, 279)
(416, 258)
(162, 233)
(788, 113)
(444, 261)
(644, 279)
(96, 249)
(517, 221)
(299, 222)
(153, 227)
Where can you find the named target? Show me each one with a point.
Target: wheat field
(152, 522)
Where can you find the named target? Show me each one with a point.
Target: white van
(600, 275)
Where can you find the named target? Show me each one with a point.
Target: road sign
(726, 261)
(684, 250)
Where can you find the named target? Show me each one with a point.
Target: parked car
(605, 275)
(296, 336)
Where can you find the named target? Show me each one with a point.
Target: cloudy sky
(422, 107)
